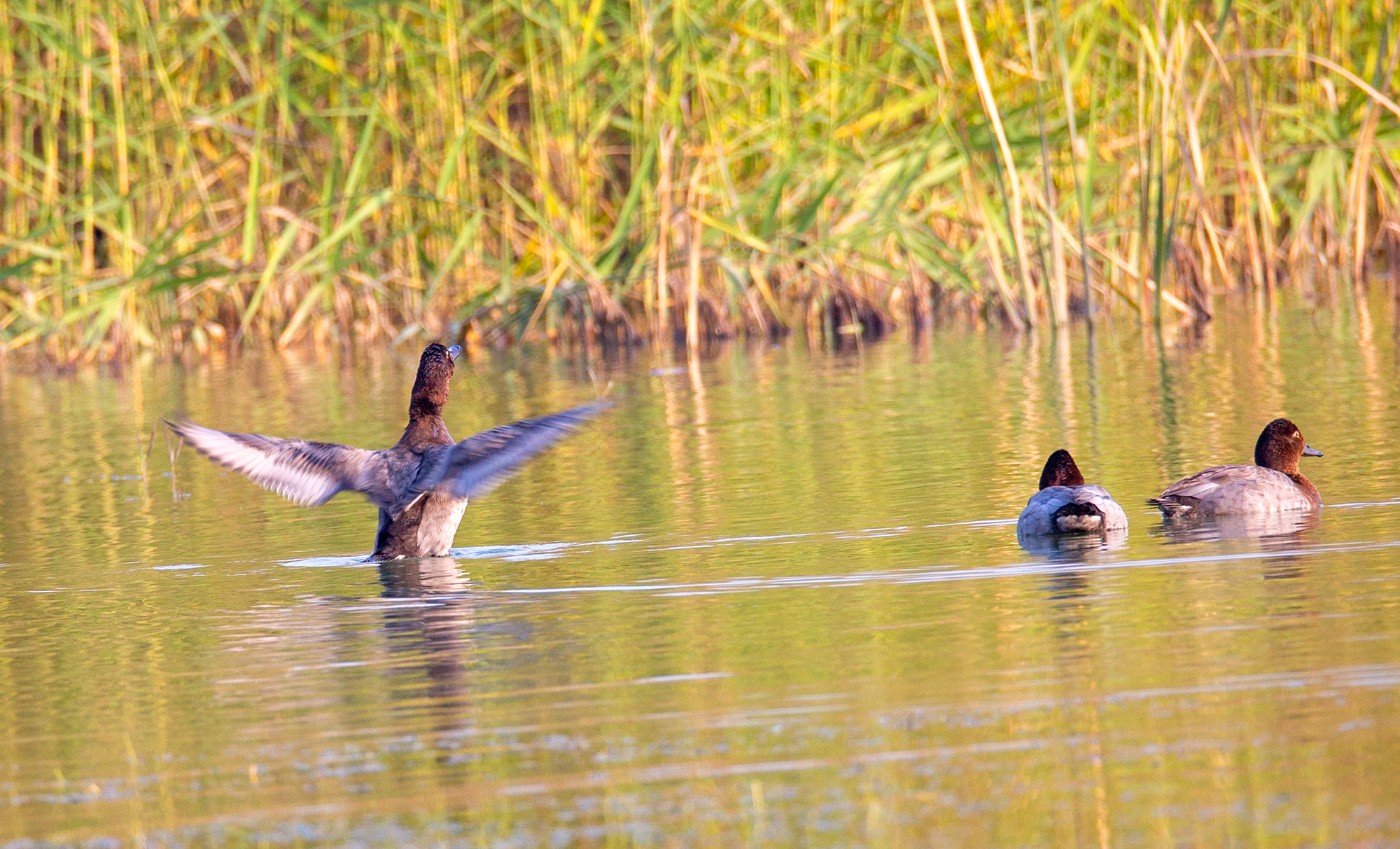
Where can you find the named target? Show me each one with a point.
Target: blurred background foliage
(178, 175)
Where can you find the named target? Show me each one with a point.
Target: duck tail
(1169, 506)
(1078, 517)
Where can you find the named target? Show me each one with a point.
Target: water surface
(774, 598)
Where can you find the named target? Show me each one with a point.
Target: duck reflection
(1274, 531)
(1069, 589)
(434, 637)
(1073, 548)
(1283, 534)
(1071, 598)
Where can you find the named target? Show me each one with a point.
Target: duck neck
(425, 428)
(429, 393)
(423, 407)
(426, 401)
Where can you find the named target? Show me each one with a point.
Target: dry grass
(187, 176)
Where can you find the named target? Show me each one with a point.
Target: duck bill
(1309, 451)
(454, 352)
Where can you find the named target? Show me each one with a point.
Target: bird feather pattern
(309, 473)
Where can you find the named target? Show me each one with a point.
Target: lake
(773, 598)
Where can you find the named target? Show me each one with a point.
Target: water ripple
(946, 573)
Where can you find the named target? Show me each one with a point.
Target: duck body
(421, 484)
(1272, 485)
(1071, 509)
(424, 530)
(1065, 504)
(1226, 490)
(428, 524)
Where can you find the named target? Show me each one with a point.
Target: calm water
(772, 599)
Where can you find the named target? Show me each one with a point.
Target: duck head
(435, 370)
(1060, 470)
(1280, 446)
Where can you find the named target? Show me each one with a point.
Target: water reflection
(1284, 533)
(1071, 548)
(781, 537)
(1274, 531)
(434, 634)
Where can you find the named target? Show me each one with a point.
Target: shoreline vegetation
(181, 177)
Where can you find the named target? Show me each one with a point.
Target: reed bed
(189, 175)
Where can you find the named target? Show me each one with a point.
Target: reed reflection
(1072, 602)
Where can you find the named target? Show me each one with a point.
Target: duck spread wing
(308, 473)
(475, 465)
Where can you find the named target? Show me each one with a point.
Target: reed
(184, 177)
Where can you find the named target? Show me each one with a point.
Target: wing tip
(180, 426)
(191, 433)
(1168, 506)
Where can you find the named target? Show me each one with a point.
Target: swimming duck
(421, 485)
(1272, 485)
(1067, 505)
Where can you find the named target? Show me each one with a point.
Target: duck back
(1071, 509)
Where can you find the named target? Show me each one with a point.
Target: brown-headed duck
(1272, 485)
(420, 485)
(1067, 505)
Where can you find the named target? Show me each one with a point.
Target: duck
(1065, 504)
(421, 484)
(1272, 485)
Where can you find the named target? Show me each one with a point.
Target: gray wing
(1036, 519)
(308, 473)
(475, 465)
(1188, 492)
(1114, 516)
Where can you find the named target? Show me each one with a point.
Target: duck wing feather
(308, 473)
(478, 463)
(1189, 492)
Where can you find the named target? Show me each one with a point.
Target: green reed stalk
(281, 172)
